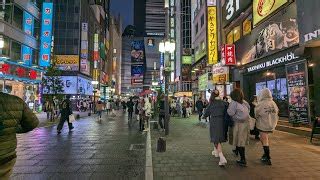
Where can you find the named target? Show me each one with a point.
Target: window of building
(202, 20)
(196, 28)
(15, 51)
(4, 51)
(6, 12)
(36, 31)
(17, 17)
(35, 57)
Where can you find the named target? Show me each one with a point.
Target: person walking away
(162, 112)
(15, 117)
(147, 113)
(239, 112)
(184, 108)
(136, 109)
(178, 107)
(141, 114)
(49, 109)
(99, 108)
(217, 110)
(253, 104)
(108, 107)
(267, 117)
(66, 110)
(199, 106)
(130, 106)
(188, 107)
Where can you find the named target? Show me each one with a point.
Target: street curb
(149, 167)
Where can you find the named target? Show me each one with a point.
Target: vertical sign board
(298, 93)
(161, 72)
(46, 34)
(28, 27)
(212, 35)
(230, 54)
(84, 63)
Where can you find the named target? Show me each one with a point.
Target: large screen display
(85, 86)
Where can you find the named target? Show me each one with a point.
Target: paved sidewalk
(43, 121)
(92, 151)
(188, 156)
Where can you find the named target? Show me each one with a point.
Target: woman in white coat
(266, 113)
(147, 110)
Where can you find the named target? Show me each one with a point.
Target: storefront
(22, 81)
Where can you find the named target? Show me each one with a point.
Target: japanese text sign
(46, 34)
(212, 35)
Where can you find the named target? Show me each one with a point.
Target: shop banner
(275, 34)
(28, 27)
(96, 50)
(232, 9)
(46, 34)
(137, 72)
(309, 25)
(263, 8)
(229, 55)
(212, 35)
(19, 72)
(84, 63)
(67, 62)
(298, 93)
(137, 51)
(203, 82)
(186, 60)
(220, 75)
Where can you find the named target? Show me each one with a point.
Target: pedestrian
(199, 106)
(130, 106)
(141, 115)
(267, 117)
(253, 104)
(124, 107)
(99, 108)
(162, 112)
(108, 107)
(66, 111)
(136, 109)
(16, 117)
(147, 113)
(178, 107)
(49, 109)
(217, 110)
(239, 112)
(184, 108)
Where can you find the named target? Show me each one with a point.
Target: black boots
(236, 151)
(242, 161)
(266, 156)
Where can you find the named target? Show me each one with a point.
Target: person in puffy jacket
(147, 112)
(238, 110)
(15, 117)
(266, 113)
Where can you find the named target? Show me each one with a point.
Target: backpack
(242, 113)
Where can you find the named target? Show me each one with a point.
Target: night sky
(125, 8)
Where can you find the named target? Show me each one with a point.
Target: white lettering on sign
(231, 9)
(313, 35)
(289, 57)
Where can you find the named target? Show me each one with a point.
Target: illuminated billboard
(212, 36)
(46, 34)
(263, 8)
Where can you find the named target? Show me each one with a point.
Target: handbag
(252, 123)
(71, 118)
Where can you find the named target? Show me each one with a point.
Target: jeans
(62, 120)
(184, 112)
(161, 121)
(141, 122)
(200, 115)
(129, 115)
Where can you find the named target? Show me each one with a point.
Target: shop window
(17, 17)
(196, 28)
(6, 12)
(15, 51)
(35, 57)
(236, 33)
(36, 32)
(6, 46)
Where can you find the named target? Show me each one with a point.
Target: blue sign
(46, 34)
(28, 27)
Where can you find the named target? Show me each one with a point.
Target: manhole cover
(136, 147)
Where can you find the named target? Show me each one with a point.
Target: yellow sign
(212, 35)
(246, 26)
(66, 59)
(236, 33)
(263, 8)
(230, 38)
(96, 73)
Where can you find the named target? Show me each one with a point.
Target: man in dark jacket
(162, 112)
(66, 110)
(15, 117)
(200, 106)
(130, 106)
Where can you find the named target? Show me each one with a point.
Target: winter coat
(130, 106)
(15, 117)
(99, 107)
(147, 107)
(162, 111)
(266, 111)
(199, 105)
(239, 112)
(66, 109)
(217, 110)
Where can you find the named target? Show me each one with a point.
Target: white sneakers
(223, 161)
(215, 153)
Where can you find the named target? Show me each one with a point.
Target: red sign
(19, 71)
(5, 68)
(229, 54)
(95, 55)
(33, 74)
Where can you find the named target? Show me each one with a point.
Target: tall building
(80, 50)
(20, 33)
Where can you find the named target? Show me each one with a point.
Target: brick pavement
(91, 151)
(188, 156)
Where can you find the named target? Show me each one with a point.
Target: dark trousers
(141, 122)
(161, 120)
(200, 115)
(62, 120)
(184, 112)
(129, 115)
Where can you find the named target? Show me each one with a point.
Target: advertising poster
(212, 36)
(69, 85)
(186, 72)
(203, 82)
(28, 27)
(67, 62)
(137, 51)
(84, 63)
(263, 8)
(220, 75)
(85, 86)
(46, 34)
(297, 92)
(137, 72)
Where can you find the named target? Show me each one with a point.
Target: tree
(52, 87)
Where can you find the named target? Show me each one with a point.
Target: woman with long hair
(216, 110)
(239, 111)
